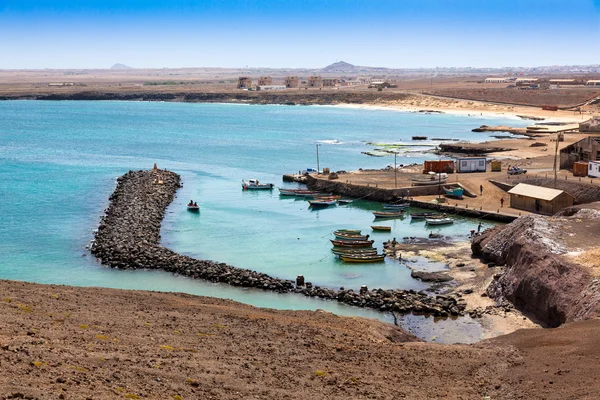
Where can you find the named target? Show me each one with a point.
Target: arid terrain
(80, 343)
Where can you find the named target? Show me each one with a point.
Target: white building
(271, 87)
(496, 80)
(470, 164)
(593, 82)
(594, 169)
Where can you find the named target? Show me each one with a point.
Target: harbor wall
(128, 237)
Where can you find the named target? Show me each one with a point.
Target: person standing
(479, 228)
(481, 190)
(501, 201)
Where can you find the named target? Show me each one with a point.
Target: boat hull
(381, 228)
(439, 221)
(366, 259)
(193, 208)
(379, 214)
(352, 243)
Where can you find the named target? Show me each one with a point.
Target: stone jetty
(129, 238)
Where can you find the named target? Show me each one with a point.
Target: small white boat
(396, 206)
(439, 221)
(431, 179)
(322, 203)
(254, 184)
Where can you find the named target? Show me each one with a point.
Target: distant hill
(120, 66)
(344, 67)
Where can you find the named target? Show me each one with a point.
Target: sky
(67, 34)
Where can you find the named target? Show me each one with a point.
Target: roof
(562, 80)
(471, 158)
(536, 192)
(594, 81)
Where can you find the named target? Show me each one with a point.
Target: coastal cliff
(129, 238)
(540, 276)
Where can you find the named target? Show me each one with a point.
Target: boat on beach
(431, 179)
(439, 221)
(387, 214)
(363, 259)
(351, 243)
(381, 228)
(454, 192)
(254, 184)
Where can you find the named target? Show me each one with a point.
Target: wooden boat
(193, 208)
(355, 252)
(454, 192)
(352, 243)
(309, 194)
(288, 192)
(431, 179)
(439, 221)
(425, 215)
(322, 203)
(345, 201)
(341, 236)
(386, 214)
(419, 138)
(363, 259)
(349, 231)
(396, 206)
(254, 184)
(336, 198)
(381, 228)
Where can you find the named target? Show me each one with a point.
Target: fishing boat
(287, 192)
(396, 206)
(425, 215)
(349, 231)
(439, 221)
(343, 236)
(381, 228)
(354, 252)
(193, 208)
(254, 184)
(351, 243)
(388, 214)
(363, 259)
(345, 201)
(454, 192)
(431, 179)
(309, 194)
(322, 202)
(419, 138)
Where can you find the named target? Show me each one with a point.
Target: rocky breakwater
(541, 273)
(129, 238)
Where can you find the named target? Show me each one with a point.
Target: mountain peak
(340, 66)
(120, 66)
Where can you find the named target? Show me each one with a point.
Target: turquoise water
(59, 161)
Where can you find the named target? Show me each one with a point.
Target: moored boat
(396, 206)
(439, 221)
(254, 184)
(363, 259)
(343, 236)
(351, 243)
(386, 214)
(193, 208)
(350, 251)
(381, 228)
(322, 203)
(425, 215)
(345, 201)
(287, 192)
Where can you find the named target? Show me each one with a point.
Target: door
(472, 165)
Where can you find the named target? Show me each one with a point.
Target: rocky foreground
(59, 342)
(128, 238)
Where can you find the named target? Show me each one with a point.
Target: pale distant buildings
(331, 82)
(61, 84)
(244, 82)
(271, 87)
(593, 82)
(265, 81)
(315, 82)
(292, 82)
(497, 80)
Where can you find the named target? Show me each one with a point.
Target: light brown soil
(80, 343)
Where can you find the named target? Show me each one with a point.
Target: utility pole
(555, 159)
(395, 171)
(318, 169)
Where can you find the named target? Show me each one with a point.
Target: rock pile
(129, 234)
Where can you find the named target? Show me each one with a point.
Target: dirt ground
(60, 342)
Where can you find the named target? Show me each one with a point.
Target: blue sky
(301, 33)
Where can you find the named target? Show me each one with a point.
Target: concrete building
(594, 169)
(539, 199)
(470, 164)
(331, 82)
(496, 80)
(292, 82)
(592, 125)
(244, 82)
(271, 87)
(315, 82)
(593, 82)
(587, 149)
(526, 81)
(265, 81)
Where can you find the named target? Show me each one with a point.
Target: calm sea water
(59, 161)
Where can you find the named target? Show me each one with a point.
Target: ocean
(59, 162)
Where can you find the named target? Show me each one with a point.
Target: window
(481, 163)
(463, 164)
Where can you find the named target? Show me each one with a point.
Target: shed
(594, 169)
(470, 164)
(496, 166)
(539, 199)
(580, 168)
(438, 166)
